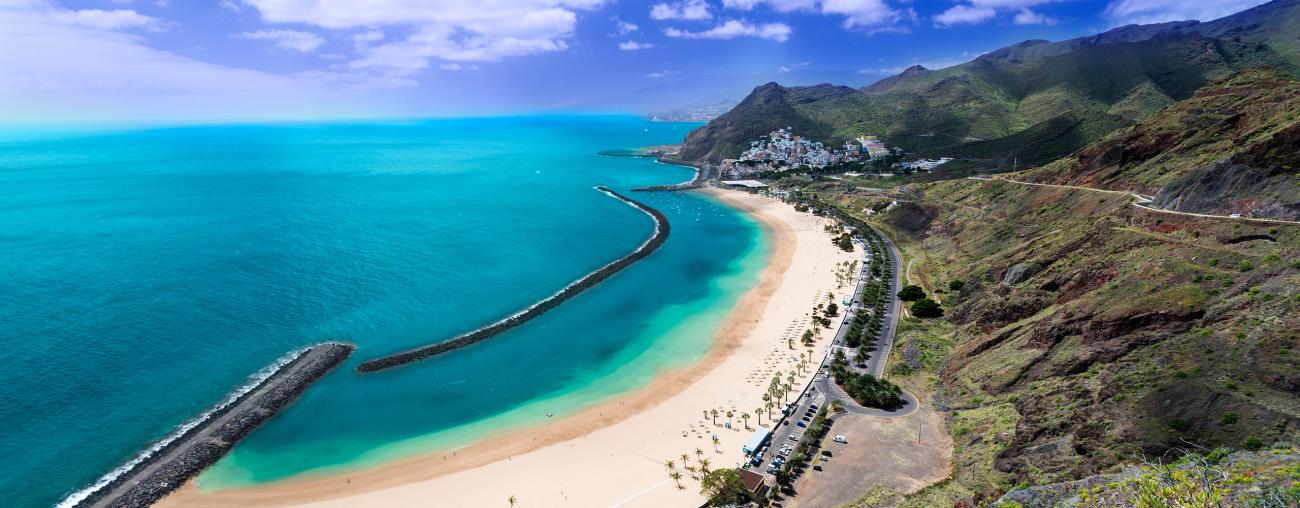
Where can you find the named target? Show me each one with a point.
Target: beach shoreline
(633, 413)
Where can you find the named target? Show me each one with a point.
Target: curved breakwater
(198, 443)
(573, 289)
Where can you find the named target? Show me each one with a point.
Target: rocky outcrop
(1226, 187)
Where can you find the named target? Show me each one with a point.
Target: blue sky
(179, 60)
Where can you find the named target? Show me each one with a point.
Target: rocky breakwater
(197, 444)
(651, 244)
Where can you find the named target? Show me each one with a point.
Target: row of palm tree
(696, 471)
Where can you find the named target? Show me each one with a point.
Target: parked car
(793, 437)
(839, 438)
(826, 453)
(817, 468)
(802, 424)
(813, 407)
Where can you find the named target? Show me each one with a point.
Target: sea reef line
(649, 246)
(197, 444)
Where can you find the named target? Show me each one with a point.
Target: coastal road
(822, 389)
(1139, 201)
(885, 341)
(816, 391)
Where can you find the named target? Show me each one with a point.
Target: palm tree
(745, 416)
(714, 412)
(704, 467)
(699, 453)
(706, 413)
(677, 477)
(758, 411)
(729, 415)
(512, 500)
(691, 470)
(670, 465)
(685, 457)
(715, 443)
(770, 405)
(786, 390)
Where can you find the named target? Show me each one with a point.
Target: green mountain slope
(1233, 147)
(1031, 89)
(1092, 334)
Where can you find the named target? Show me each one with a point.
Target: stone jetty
(651, 244)
(194, 449)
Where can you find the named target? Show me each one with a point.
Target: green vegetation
(926, 308)
(1022, 105)
(1219, 478)
(723, 487)
(911, 293)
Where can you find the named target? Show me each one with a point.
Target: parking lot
(878, 452)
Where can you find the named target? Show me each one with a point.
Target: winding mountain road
(1139, 201)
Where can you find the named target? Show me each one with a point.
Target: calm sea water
(146, 273)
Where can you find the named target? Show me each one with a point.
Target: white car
(839, 438)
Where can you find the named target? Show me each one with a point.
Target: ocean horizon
(153, 270)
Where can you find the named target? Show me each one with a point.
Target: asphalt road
(822, 390)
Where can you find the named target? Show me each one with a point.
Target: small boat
(549, 414)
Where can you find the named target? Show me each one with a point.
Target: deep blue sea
(145, 273)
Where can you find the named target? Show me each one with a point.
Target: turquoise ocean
(145, 273)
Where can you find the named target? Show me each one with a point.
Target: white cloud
(964, 14)
(368, 37)
(634, 45)
(457, 67)
(230, 5)
(660, 74)
(1125, 12)
(732, 29)
(446, 30)
(70, 69)
(623, 28)
(117, 19)
(1028, 17)
(302, 42)
(691, 10)
(871, 15)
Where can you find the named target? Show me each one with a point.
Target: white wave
(254, 380)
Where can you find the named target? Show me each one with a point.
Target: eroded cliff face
(1114, 332)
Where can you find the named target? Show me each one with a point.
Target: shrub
(1228, 418)
(911, 293)
(956, 285)
(1180, 425)
(1252, 443)
(1246, 266)
(926, 308)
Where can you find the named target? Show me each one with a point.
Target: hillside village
(783, 150)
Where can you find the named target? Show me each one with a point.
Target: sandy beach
(614, 454)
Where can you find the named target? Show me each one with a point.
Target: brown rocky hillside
(1233, 147)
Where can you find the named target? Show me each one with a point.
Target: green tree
(926, 308)
(723, 487)
(956, 285)
(911, 293)
(832, 309)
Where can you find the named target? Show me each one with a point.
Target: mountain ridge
(1112, 79)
